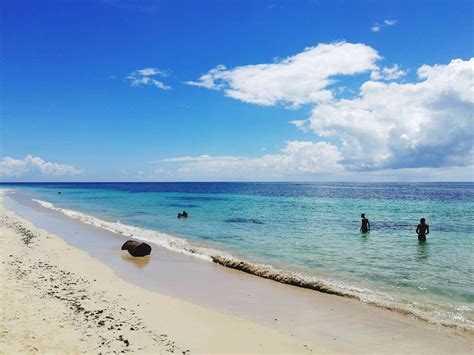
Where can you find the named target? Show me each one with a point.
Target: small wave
(243, 220)
(139, 213)
(162, 239)
(185, 205)
(369, 296)
(198, 198)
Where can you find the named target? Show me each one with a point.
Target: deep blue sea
(310, 229)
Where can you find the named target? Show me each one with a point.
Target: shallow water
(308, 229)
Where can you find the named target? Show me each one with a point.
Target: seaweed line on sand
(86, 309)
(316, 285)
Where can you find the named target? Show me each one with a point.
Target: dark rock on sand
(136, 248)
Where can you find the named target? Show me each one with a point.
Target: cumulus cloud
(387, 125)
(296, 159)
(35, 166)
(378, 26)
(147, 76)
(299, 79)
(391, 125)
(387, 74)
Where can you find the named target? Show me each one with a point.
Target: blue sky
(75, 105)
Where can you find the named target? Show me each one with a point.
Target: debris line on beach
(276, 275)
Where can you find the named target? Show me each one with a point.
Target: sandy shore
(57, 298)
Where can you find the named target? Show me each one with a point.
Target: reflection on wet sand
(139, 262)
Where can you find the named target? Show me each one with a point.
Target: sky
(310, 90)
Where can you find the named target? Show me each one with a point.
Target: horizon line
(226, 181)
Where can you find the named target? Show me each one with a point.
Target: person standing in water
(422, 230)
(365, 225)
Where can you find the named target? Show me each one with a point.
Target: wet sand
(314, 321)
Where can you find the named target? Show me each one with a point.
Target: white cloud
(390, 22)
(386, 126)
(302, 125)
(378, 26)
(375, 28)
(386, 73)
(35, 166)
(299, 79)
(297, 159)
(392, 125)
(210, 79)
(150, 72)
(303, 161)
(147, 76)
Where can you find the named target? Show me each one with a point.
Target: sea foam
(164, 240)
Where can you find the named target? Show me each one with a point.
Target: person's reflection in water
(364, 237)
(139, 262)
(422, 251)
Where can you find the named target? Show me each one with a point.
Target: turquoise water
(308, 229)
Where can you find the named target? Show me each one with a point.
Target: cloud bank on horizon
(31, 167)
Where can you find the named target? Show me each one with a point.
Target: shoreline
(224, 259)
(52, 288)
(354, 324)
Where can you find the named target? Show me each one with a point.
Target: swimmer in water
(365, 225)
(422, 230)
(183, 215)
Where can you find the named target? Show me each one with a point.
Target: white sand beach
(56, 298)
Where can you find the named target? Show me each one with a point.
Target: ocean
(309, 230)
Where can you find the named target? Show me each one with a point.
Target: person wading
(365, 225)
(422, 230)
